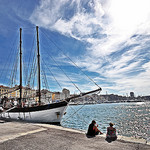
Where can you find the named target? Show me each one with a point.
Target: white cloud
(127, 16)
(108, 27)
(66, 82)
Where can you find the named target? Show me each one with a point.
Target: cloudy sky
(108, 39)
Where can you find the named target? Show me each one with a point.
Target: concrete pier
(32, 136)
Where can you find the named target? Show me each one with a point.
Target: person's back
(91, 131)
(111, 133)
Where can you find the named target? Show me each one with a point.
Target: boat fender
(58, 114)
(1, 109)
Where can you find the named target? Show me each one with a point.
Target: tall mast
(20, 86)
(38, 65)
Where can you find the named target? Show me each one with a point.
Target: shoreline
(113, 102)
(119, 137)
(25, 136)
(43, 125)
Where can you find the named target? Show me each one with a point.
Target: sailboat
(47, 113)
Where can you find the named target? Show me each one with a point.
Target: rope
(5, 111)
(14, 71)
(30, 58)
(45, 79)
(32, 68)
(8, 63)
(52, 75)
(34, 73)
(75, 112)
(70, 59)
(64, 73)
(93, 98)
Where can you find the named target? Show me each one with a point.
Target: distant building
(12, 93)
(46, 95)
(56, 96)
(66, 93)
(132, 94)
(3, 90)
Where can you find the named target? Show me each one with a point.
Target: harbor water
(130, 119)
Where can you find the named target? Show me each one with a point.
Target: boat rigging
(41, 112)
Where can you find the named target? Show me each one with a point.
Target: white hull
(50, 115)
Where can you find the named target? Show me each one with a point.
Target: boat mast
(38, 65)
(20, 86)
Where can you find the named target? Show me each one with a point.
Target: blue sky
(108, 39)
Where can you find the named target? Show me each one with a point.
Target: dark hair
(111, 124)
(93, 121)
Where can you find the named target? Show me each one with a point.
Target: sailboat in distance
(41, 112)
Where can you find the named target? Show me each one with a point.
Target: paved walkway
(29, 136)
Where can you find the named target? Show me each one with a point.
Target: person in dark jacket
(93, 130)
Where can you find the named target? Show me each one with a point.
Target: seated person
(111, 133)
(93, 130)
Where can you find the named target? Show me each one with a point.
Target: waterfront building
(4, 89)
(11, 93)
(26, 92)
(46, 96)
(132, 94)
(61, 95)
(66, 93)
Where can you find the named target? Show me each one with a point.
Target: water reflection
(131, 119)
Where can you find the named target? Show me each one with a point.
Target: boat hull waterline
(48, 113)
